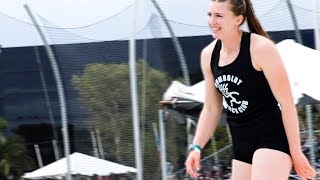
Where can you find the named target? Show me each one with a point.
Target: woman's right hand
(302, 166)
(193, 164)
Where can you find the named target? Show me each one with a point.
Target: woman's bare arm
(212, 108)
(266, 58)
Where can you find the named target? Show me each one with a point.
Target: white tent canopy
(81, 164)
(179, 90)
(302, 65)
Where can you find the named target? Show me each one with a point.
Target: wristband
(196, 148)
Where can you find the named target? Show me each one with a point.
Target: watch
(195, 147)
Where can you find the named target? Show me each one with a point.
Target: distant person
(245, 69)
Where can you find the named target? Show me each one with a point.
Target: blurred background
(117, 86)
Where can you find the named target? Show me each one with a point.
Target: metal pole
(315, 6)
(295, 23)
(60, 89)
(94, 144)
(56, 149)
(38, 154)
(162, 145)
(176, 44)
(99, 143)
(215, 150)
(156, 136)
(48, 104)
(134, 93)
(229, 134)
(310, 134)
(190, 123)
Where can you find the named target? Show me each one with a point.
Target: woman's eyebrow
(216, 13)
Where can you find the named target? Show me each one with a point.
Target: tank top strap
(245, 55)
(246, 39)
(215, 56)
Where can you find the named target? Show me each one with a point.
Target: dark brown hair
(244, 8)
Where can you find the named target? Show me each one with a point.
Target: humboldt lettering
(228, 78)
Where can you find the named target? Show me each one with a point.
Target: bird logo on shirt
(233, 104)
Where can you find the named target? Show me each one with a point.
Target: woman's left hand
(303, 167)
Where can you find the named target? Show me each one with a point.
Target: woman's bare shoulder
(207, 51)
(260, 43)
(262, 50)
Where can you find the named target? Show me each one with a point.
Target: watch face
(195, 149)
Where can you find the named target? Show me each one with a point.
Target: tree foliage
(13, 157)
(105, 90)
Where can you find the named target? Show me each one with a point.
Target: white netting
(93, 61)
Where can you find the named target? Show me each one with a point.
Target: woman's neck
(231, 43)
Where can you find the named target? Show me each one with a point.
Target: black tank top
(245, 90)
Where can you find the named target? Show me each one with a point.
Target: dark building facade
(28, 93)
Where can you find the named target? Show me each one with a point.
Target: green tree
(105, 90)
(13, 158)
(3, 125)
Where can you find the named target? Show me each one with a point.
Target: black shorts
(249, 135)
(243, 151)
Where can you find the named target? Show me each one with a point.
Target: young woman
(246, 71)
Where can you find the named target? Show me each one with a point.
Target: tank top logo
(234, 104)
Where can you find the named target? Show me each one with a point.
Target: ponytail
(253, 23)
(244, 8)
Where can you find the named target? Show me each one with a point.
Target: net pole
(310, 134)
(315, 6)
(94, 144)
(38, 154)
(99, 143)
(134, 92)
(295, 23)
(176, 44)
(48, 105)
(60, 89)
(163, 156)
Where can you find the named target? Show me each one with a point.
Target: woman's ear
(239, 20)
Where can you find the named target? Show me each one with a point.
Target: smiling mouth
(215, 29)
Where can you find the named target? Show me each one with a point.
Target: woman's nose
(212, 21)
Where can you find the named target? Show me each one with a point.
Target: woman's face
(222, 21)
